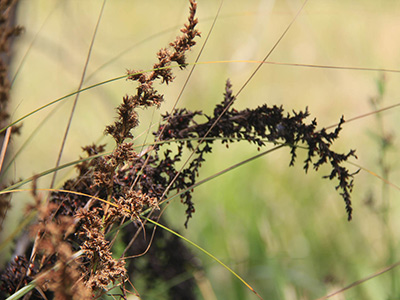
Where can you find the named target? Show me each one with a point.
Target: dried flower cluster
(57, 274)
(258, 126)
(100, 268)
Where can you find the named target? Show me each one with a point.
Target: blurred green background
(283, 231)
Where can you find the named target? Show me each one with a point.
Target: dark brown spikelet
(258, 126)
(184, 42)
(133, 203)
(15, 274)
(99, 268)
(146, 94)
(127, 120)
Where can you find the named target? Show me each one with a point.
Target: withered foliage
(132, 184)
(7, 31)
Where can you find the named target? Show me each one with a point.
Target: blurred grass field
(283, 231)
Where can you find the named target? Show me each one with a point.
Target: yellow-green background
(284, 232)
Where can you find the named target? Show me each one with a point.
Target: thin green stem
(206, 252)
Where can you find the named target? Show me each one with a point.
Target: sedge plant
(106, 230)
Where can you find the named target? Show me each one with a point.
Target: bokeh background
(285, 232)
